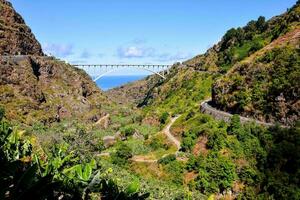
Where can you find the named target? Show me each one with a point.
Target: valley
(221, 125)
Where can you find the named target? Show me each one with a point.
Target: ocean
(109, 82)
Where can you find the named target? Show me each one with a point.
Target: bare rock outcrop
(15, 37)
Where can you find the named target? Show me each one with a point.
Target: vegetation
(67, 158)
(247, 156)
(122, 155)
(28, 172)
(239, 43)
(267, 91)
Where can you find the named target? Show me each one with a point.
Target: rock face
(35, 88)
(46, 90)
(15, 37)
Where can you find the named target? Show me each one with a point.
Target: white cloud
(135, 52)
(60, 50)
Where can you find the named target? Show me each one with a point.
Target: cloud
(135, 52)
(60, 50)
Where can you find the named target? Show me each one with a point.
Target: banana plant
(81, 173)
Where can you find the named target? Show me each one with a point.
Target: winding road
(221, 115)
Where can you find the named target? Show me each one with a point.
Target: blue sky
(137, 31)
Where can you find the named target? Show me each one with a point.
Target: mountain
(265, 84)
(35, 88)
(239, 43)
(253, 71)
(132, 93)
(15, 37)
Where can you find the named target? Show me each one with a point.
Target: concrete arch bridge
(100, 70)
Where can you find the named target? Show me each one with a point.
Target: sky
(137, 31)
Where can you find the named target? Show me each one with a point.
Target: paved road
(221, 115)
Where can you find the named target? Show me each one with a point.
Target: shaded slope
(34, 88)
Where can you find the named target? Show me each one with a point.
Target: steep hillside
(257, 91)
(239, 43)
(183, 89)
(132, 93)
(37, 88)
(265, 85)
(15, 37)
(44, 89)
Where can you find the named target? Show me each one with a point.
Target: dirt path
(144, 159)
(168, 133)
(105, 119)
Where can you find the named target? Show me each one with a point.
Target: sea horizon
(112, 81)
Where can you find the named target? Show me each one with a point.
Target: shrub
(188, 141)
(164, 117)
(157, 143)
(167, 159)
(128, 131)
(235, 124)
(216, 174)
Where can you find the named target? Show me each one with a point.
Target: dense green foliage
(164, 117)
(264, 161)
(268, 90)
(68, 160)
(27, 172)
(122, 154)
(179, 93)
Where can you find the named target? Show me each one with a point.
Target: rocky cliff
(15, 37)
(35, 88)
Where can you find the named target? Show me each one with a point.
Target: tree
(261, 24)
(167, 159)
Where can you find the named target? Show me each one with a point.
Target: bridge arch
(164, 69)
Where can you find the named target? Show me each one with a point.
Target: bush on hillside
(164, 117)
(167, 159)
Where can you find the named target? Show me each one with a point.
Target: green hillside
(63, 138)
